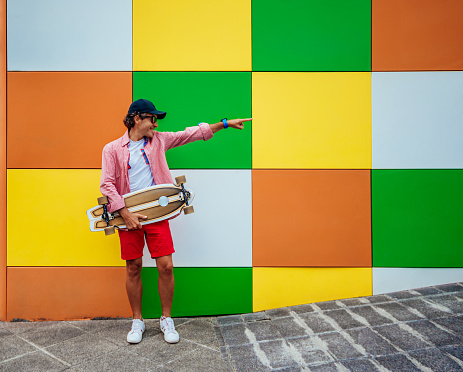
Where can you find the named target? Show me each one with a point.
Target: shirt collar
(125, 140)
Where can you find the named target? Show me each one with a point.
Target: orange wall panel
(60, 293)
(311, 218)
(417, 35)
(63, 119)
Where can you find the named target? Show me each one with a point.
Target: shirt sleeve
(174, 139)
(108, 181)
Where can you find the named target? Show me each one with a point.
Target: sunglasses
(153, 119)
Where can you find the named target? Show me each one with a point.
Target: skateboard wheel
(109, 230)
(188, 210)
(103, 200)
(180, 179)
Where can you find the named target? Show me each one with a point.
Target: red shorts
(158, 240)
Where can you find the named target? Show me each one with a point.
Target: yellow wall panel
(311, 120)
(47, 221)
(185, 35)
(289, 286)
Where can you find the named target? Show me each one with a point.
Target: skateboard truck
(186, 195)
(109, 230)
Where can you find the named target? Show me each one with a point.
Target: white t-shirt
(140, 175)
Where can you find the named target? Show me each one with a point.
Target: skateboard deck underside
(145, 202)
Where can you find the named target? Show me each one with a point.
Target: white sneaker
(136, 333)
(168, 328)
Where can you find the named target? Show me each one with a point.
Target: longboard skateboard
(158, 203)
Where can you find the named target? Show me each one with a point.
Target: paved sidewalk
(419, 330)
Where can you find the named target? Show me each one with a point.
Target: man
(133, 162)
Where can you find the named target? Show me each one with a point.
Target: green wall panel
(200, 291)
(417, 218)
(311, 35)
(193, 97)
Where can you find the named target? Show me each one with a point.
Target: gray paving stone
(352, 302)
(372, 343)
(81, 348)
(33, 362)
(434, 334)
(288, 327)
(378, 299)
(95, 325)
(456, 351)
(12, 346)
(360, 365)
(264, 330)
(20, 327)
(288, 369)
(277, 354)
(4, 332)
(51, 334)
(326, 367)
(118, 360)
(426, 291)
(230, 319)
(402, 295)
(245, 359)
(254, 317)
(397, 362)
(278, 313)
(449, 301)
(453, 287)
(316, 322)
(180, 321)
(372, 317)
(339, 346)
(116, 332)
(300, 309)
(234, 334)
(398, 311)
(310, 349)
(454, 323)
(219, 337)
(200, 331)
(214, 321)
(425, 308)
(436, 360)
(344, 319)
(201, 360)
(160, 352)
(226, 358)
(327, 305)
(400, 337)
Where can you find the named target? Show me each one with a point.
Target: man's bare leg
(134, 286)
(166, 283)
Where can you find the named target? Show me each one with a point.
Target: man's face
(146, 125)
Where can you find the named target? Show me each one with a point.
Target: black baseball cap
(142, 106)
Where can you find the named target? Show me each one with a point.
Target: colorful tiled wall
(347, 183)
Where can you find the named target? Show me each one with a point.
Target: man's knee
(166, 268)
(134, 268)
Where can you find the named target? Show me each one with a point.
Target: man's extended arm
(202, 132)
(233, 123)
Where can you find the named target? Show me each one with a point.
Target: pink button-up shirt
(114, 170)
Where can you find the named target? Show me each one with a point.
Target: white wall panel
(219, 233)
(71, 35)
(390, 279)
(417, 120)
